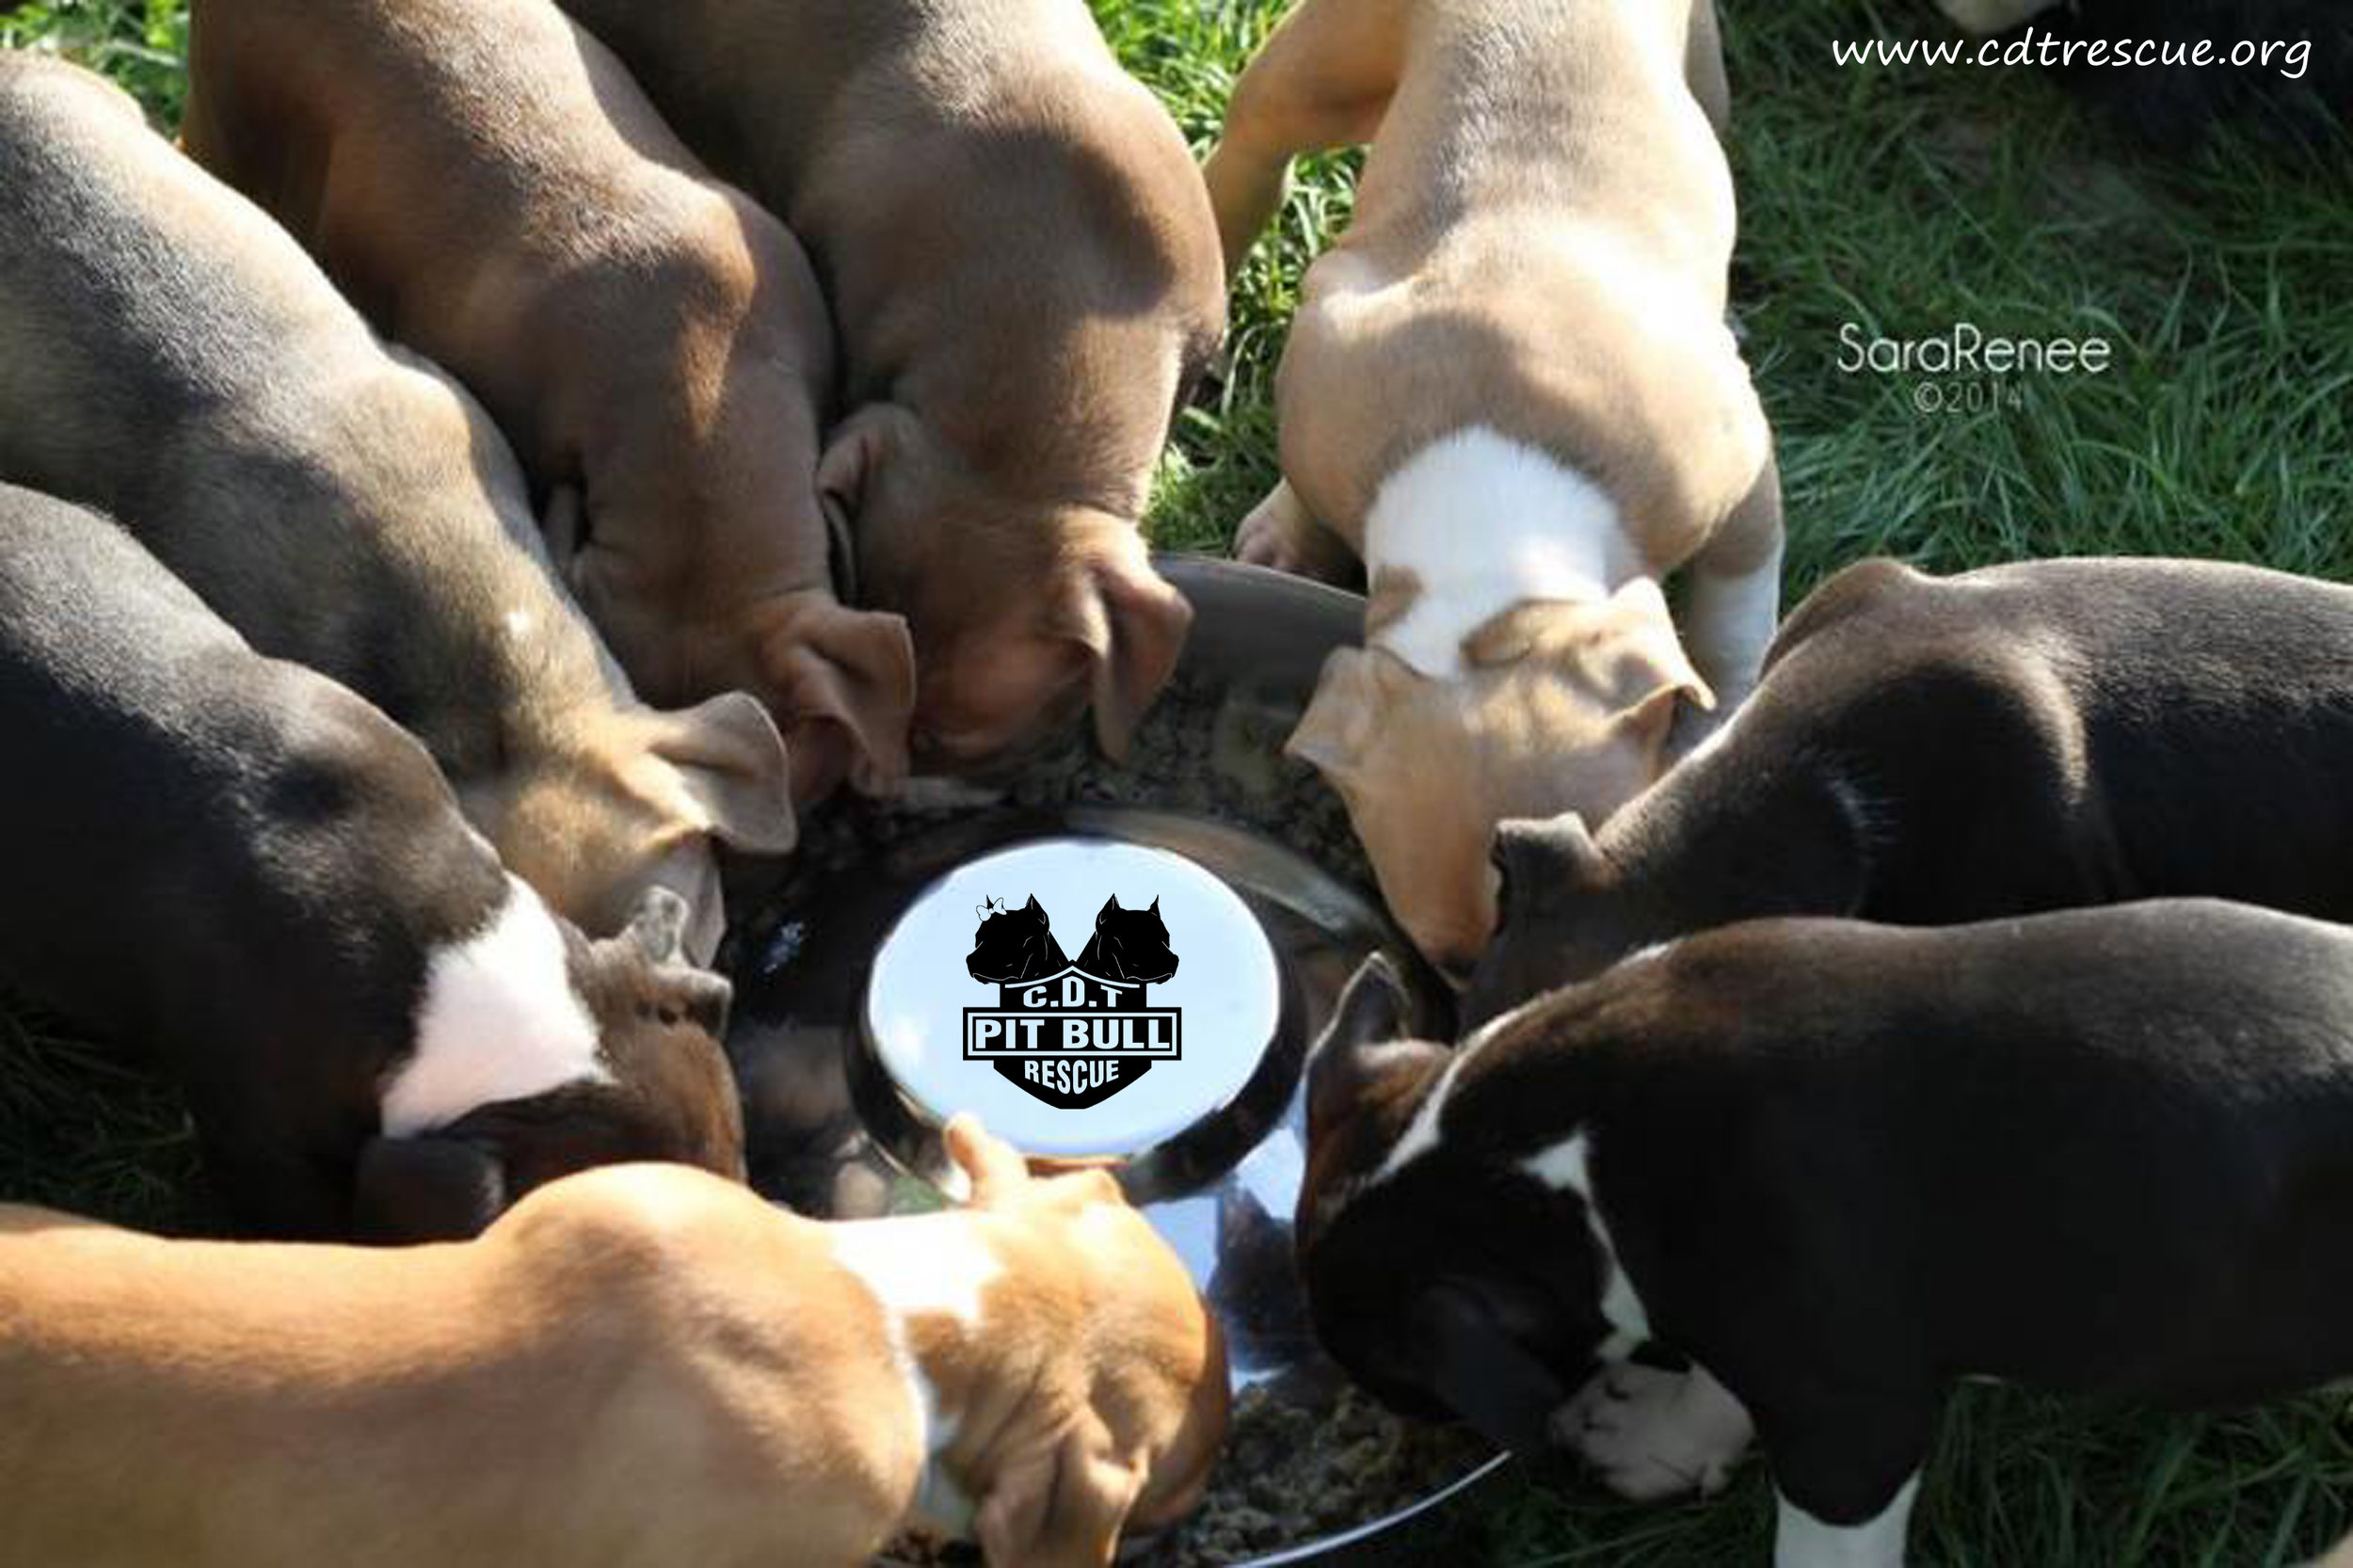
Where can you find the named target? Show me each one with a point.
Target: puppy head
(1559, 707)
(1561, 917)
(1024, 610)
(1147, 1365)
(1444, 1286)
(636, 801)
(661, 1091)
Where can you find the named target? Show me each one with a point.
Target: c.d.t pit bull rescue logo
(1072, 1035)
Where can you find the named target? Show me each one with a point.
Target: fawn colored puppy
(1024, 273)
(641, 1367)
(1510, 393)
(487, 184)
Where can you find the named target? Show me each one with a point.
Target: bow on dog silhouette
(1130, 946)
(1014, 945)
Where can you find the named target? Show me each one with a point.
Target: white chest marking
(1486, 522)
(1802, 1541)
(925, 1265)
(1566, 1167)
(500, 1021)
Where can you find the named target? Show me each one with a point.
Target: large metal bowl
(844, 1095)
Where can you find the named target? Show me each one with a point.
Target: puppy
(487, 184)
(1024, 273)
(1932, 751)
(169, 355)
(1510, 391)
(638, 1367)
(239, 867)
(1836, 1165)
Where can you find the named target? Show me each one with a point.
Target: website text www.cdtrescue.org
(2032, 47)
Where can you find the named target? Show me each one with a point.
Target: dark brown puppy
(240, 868)
(1931, 750)
(1024, 271)
(487, 182)
(2104, 1152)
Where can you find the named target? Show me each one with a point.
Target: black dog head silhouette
(1013, 945)
(1129, 944)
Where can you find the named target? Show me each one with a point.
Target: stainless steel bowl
(852, 1042)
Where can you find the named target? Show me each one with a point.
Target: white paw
(1651, 1433)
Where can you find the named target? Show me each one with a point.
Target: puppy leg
(1733, 604)
(1802, 1540)
(1321, 79)
(1651, 1433)
(1281, 532)
(1845, 1466)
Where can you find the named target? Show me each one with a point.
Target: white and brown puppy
(487, 182)
(1839, 1167)
(638, 1367)
(169, 355)
(236, 867)
(1510, 391)
(1024, 272)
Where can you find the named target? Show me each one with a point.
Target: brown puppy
(168, 355)
(1024, 270)
(643, 1367)
(1511, 393)
(487, 182)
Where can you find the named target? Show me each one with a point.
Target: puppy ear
(1337, 726)
(1359, 1046)
(1061, 1507)
(1535, 857)
(844, 679)
(854, 454)
(734, 767)
(1655, 659)
(1482, 1370)
(1132, 623)
(425, 1189)
(994, 1167)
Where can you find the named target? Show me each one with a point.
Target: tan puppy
(169, 355)
(1024, 270)
(487, 182)
(642, 1366)
(1510, 392)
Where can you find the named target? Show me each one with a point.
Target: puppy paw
(1280, 535)
(1650, 1434)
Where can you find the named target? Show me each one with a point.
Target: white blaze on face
(1566, 1167)
(499, 1021)
(1484, 523)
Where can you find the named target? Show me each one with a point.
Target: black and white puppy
(1838, 1166)
(237, 865)
(1932, 750)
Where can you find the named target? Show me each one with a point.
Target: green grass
(1903, 201)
